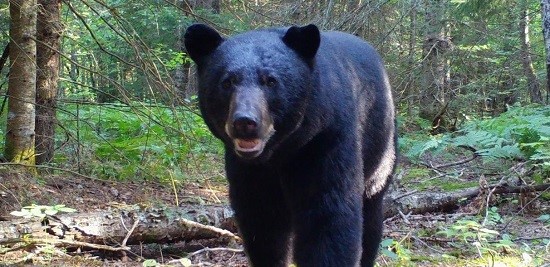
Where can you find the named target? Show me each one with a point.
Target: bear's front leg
(328, 234)
(325, 192)
(261, 212)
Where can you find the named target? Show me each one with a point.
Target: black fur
(313, 193)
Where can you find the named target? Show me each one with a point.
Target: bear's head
(254, 88)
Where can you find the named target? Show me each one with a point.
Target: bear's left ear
(200, 41)
(304, 40)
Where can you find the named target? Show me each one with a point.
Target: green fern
(415, 147)
(520, 133)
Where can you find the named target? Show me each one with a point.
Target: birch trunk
(22, 83)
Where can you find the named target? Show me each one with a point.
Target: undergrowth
(137, 141)
(520, 134)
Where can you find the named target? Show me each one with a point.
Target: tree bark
(20, 130)
(435, 68)
(411, 87)
(526, 60)
(47, 60)
(545, 10)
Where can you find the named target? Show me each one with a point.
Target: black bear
(307, 122)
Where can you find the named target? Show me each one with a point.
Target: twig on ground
(136, 222)
(460, 162)
(235, 250)
(437, 168)
(436, 239)
(426, 244)
(440, 174)
(61, 242)
(49, 167)
(488, 199)
(530, 238)
(404, 216)
(405, 195)
(217, 230)
(519, 189)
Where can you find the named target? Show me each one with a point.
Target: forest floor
(416, 239)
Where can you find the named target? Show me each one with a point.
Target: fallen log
(126, 226)
(424, 202)
(134, 225)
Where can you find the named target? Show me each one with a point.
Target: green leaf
(66, 209)
(544, 218)
(390, 254)
(150, 263)
(386, 242)
(22, 213)
(50, 212)
(185, 262)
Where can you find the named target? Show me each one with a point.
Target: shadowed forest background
(100, 119)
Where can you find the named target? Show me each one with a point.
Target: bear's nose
(245, 127)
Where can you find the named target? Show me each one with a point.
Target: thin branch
(49, 167)
(136, 222)
(404, 195)
(101, 47)
(61, 242)
(460, 162)
(4, 56)
(217, 230)
(520, 189)
(235, 250)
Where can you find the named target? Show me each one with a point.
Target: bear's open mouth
(248, 147)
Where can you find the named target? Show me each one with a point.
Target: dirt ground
(415, 233)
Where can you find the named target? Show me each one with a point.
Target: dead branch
(460, 162)
(441, 202)
(451, 164)
(235, 250)
(60, 243)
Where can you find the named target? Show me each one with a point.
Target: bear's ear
(200, 41)
(304, 40)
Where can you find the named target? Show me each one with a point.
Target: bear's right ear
(200, 41)
(304, 40)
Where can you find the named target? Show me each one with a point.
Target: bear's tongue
(248, 144)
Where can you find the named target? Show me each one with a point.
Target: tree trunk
(22, 83)
(545, 9)
(47, 61)
(411, 87)
(532, 81)
(435, 82)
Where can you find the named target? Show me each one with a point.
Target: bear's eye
(227, 83)
(270, 82)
